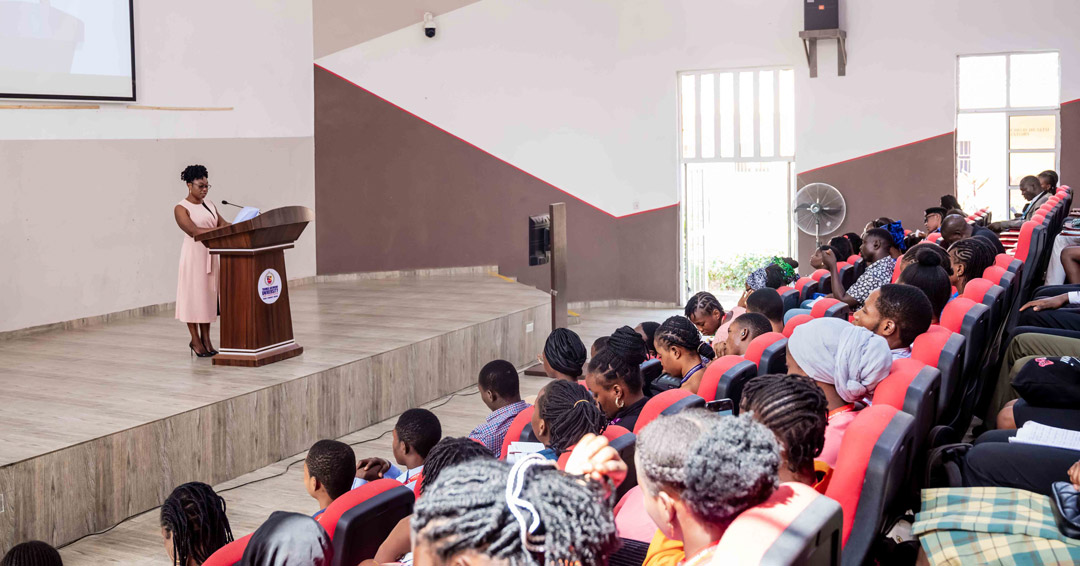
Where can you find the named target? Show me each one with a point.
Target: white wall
(583, 93)
(87, 220)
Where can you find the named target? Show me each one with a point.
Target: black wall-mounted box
(821, 14)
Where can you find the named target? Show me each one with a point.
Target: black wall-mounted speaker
(821, 14)
(539, 239)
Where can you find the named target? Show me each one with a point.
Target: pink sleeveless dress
(197, 287)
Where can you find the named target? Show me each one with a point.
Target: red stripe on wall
(474, 146)
(1070, 101)
(874, 153)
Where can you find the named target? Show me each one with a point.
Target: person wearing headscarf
(289, 539)
(847, 362)
(564, 355)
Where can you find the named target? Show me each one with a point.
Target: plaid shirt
(493, 431)
(982, 525)
(877, 274)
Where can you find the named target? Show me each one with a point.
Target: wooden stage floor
(138, 541)
(88, 413)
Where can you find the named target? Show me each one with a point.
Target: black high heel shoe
(210, 350)
(202, 355)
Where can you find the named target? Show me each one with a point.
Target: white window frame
(1009, 113)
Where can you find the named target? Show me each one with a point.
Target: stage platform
(100, 423)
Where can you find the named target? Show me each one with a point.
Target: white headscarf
(834, 351)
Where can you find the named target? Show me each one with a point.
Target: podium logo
(269, 286)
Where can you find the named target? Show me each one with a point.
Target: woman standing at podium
(197, 288)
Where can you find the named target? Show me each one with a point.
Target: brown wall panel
(395, 192)
(1070, 144)
(899, 183)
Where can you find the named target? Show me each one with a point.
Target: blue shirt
(493, 431)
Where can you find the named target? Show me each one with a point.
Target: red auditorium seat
(971, 320)
(789, 296)
(988, 293)
(806, 287)
(912, 387)
(854, 258)
(668, 403)
(229, 554)
(359, 521)
(624, 442)
(797, 525)
(1024, 243)
(830, 307)
(794, 323)
(869, 473)
(943, 350)
(513, 434)
(724, 379)
(769, 353)
(818, 274)
(933, 237)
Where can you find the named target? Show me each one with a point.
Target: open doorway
(737, 150)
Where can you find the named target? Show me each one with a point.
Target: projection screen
(67, 49)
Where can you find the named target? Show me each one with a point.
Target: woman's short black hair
(856, 242)
(929, 271)
(843, 246)
(32, 553)
(193, 172)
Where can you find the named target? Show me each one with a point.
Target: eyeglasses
(206, 186)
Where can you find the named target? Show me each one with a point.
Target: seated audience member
(955, 228)
(32, 553)
(742, 332)
(969, 258)
(897, 313)
(1059, 311)
(1070, 263)
(1020, 351)
(949, 203)
(932, 218)
(876, 252)
(994, 461)
(816, 260)
(329, 471)
(698, 471)
(597, 345)
(842, 246)
(416, 431)
(681, 351)
(1035, 195)
(1048, 181)
(501, 391)
(647, 330)
(778, 272)
(767, 302)
(564, 413)
(289, 539)
(193, 524)
(856, 242)
(614, 377)
(796, 410)
(847, 362)
(564, 355)
(528, 514)
(881, 222)
(930, 269)
(704, 310)
(449, 452)
(900, 240)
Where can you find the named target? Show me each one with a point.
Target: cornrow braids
(570, 412)
(679, 331)
(32, 553)
(795, 409)
(448, 453)
(975, 253)
(720, 465)
(193, 172)
(705, 301)
(194, 516)
(621, 360)
(467, 509)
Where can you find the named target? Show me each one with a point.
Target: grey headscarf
(851, 358)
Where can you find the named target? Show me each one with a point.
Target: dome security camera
(429, 24)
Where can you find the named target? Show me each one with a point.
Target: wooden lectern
(256, 322)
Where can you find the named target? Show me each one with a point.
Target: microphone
(225, 202)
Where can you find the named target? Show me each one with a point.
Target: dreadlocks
(32, 553)
(795, 409)
(194, 516)
(679, 331)
(570, 412)
(468, 508)
(705, 301)
(450, 452)
(975, 254)
(621, 360)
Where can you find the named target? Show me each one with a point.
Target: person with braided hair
(647, 330)
(614, 377)
(796, 410)
(698, 471)
(969, 258)
(530, 514)
(449, 452)
(32, 553)
(564, 413)
(705, 311)
(564, 355)
(682, 353)
(194, 524)
(289, 539)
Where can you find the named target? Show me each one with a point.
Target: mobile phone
(721, 406)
